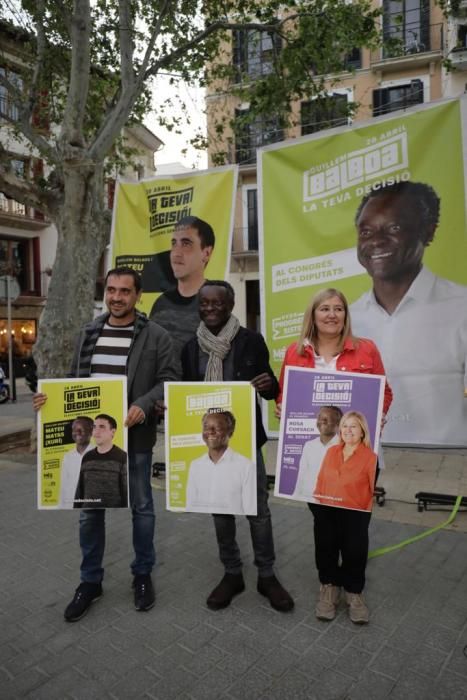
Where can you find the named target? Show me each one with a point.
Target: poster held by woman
(329, 437)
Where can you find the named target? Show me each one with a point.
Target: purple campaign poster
(314, 402)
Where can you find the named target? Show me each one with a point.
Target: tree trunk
(82, 234)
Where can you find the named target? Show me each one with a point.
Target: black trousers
(341, 546)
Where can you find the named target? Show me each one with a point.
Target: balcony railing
(458, 58)
(11, 206)
(246, 146)
(406, 42)
(245, 240)
(20, 212)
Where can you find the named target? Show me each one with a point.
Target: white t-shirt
(423, 344)
(320, 363)
(226, 486)
(69, 475)
(310, 462)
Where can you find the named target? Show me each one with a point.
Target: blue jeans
(260, 529)
(92, 524)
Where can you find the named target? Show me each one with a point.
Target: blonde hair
(309, 331)
(363, 425)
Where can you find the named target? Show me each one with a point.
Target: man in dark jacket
(224, 351)
(118, 343)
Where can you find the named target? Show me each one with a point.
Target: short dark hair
(229, 290)
(336, 410)
(110, 420)
(120, 271)
(205, 231)
(425, 201)
(88, 422)
(229, 417)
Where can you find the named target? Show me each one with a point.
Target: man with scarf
(225, 351)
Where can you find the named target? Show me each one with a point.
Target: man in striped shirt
(123, 341)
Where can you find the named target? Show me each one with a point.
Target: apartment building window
(253, 312)
(254, 53)
(251, 214)
(406, 26)
(353, 60)
(19, 257)
(18, 167)
(8, 107)
(323, 113)
(391, 99)
(462, 37)
(252, 135)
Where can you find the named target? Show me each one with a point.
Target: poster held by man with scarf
(211, 447)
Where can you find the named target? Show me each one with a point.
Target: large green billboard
(408, 166)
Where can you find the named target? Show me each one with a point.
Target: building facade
(422, 57)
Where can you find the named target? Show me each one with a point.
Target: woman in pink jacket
(326, 342)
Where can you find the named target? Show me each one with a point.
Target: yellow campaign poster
(146, 213)
(210, 443)
(378, 211)
(82, 456)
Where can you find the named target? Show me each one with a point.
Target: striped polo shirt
(111, 351)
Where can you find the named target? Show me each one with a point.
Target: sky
(193, 97)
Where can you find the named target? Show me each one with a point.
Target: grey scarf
(217, 346)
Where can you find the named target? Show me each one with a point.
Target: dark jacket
(149, 364)
(250, 358)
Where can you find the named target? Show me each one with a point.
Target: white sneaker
(329, 597)
(358, 611)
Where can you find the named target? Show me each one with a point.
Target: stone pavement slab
(16, 418)
(412, 648)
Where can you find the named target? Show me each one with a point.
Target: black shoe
(222, 595)
(272, 589)
(144, 592)
(84, 597)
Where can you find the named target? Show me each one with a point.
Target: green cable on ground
(384, 550)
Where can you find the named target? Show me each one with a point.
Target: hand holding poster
(211, 447)
(329, 437)
(82, 444)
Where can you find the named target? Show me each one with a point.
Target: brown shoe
(328, 601)
(273, 590)
(221, 596)
(358, 611)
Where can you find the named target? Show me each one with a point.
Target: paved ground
(16, 416)
(412, 649)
